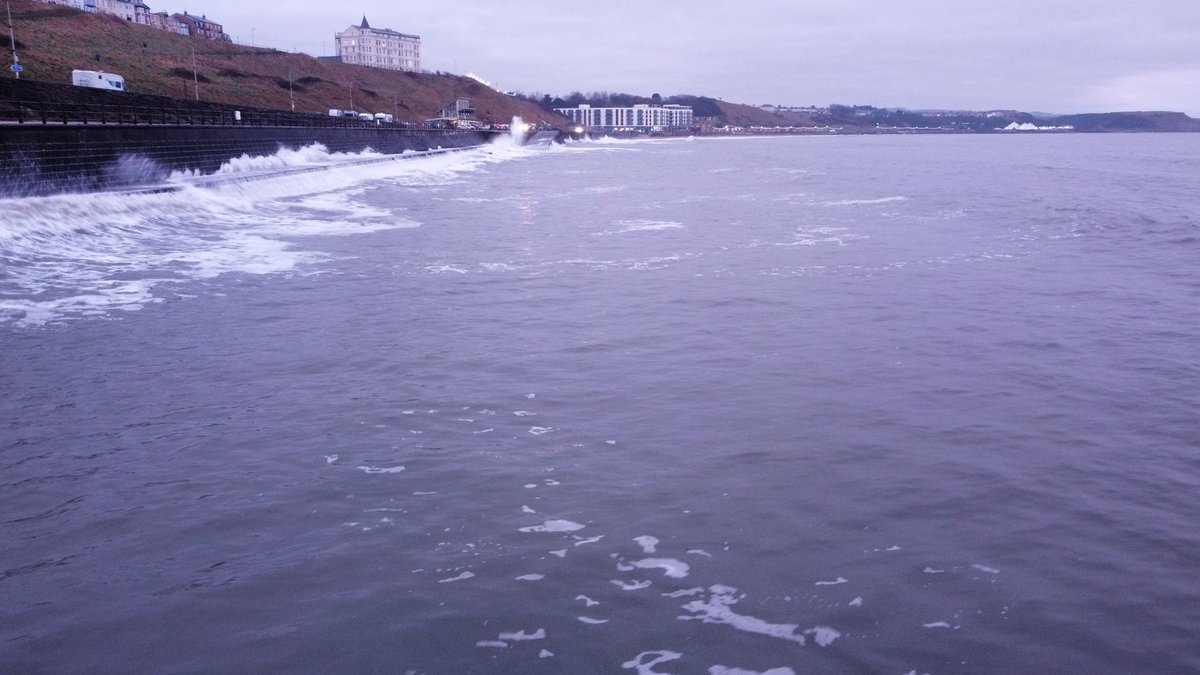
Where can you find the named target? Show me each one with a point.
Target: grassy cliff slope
(53, 40)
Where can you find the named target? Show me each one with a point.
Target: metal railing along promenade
(52, 112)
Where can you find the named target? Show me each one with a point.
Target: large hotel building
(378, 48)
(640, 117)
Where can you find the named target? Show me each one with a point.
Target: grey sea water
(839, 405)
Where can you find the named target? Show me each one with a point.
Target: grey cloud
(1045, 55)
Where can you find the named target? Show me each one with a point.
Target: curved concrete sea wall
(47, 159)
(60, 138)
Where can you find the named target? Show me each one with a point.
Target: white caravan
(97, 80)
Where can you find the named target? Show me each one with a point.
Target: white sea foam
(554, 526)
(644, 663)
(587, 601)
(308, 156)
(986, 569)
(823, 635)
(864, 202)
(491, 644)
(727, 670)
(839, 581)
(378, 470)
(531, 577)
(628, 226)
(687, 593)
(77, 256)
(648, 544)
(717, 608)
(522, 636)
(462, 577)
(631, 585)
(591, 621)
(673, 568)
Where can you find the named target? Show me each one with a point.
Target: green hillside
(53, 40)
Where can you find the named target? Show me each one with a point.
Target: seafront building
(136, 11)
(202, 27)
(378, 47)
(164, 21)
(642, 117)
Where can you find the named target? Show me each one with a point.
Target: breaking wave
(84, 255)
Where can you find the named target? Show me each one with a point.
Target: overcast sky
(1054, 56)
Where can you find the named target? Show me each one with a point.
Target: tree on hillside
(702, 106)
(841, 113)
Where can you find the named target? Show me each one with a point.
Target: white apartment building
(378, 48)
(640, 117)
(135, 11)
(129, 10)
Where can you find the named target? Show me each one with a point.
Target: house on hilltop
(202, 27)
(130, 10)
(378, 47)
(136, 11)
(164, 21)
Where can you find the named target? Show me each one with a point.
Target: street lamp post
(195, 74)
(12, 40)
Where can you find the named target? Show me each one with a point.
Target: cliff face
(1131, 121)
(53, 40)
(747, 116)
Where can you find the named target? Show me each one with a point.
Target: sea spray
(519, 131)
